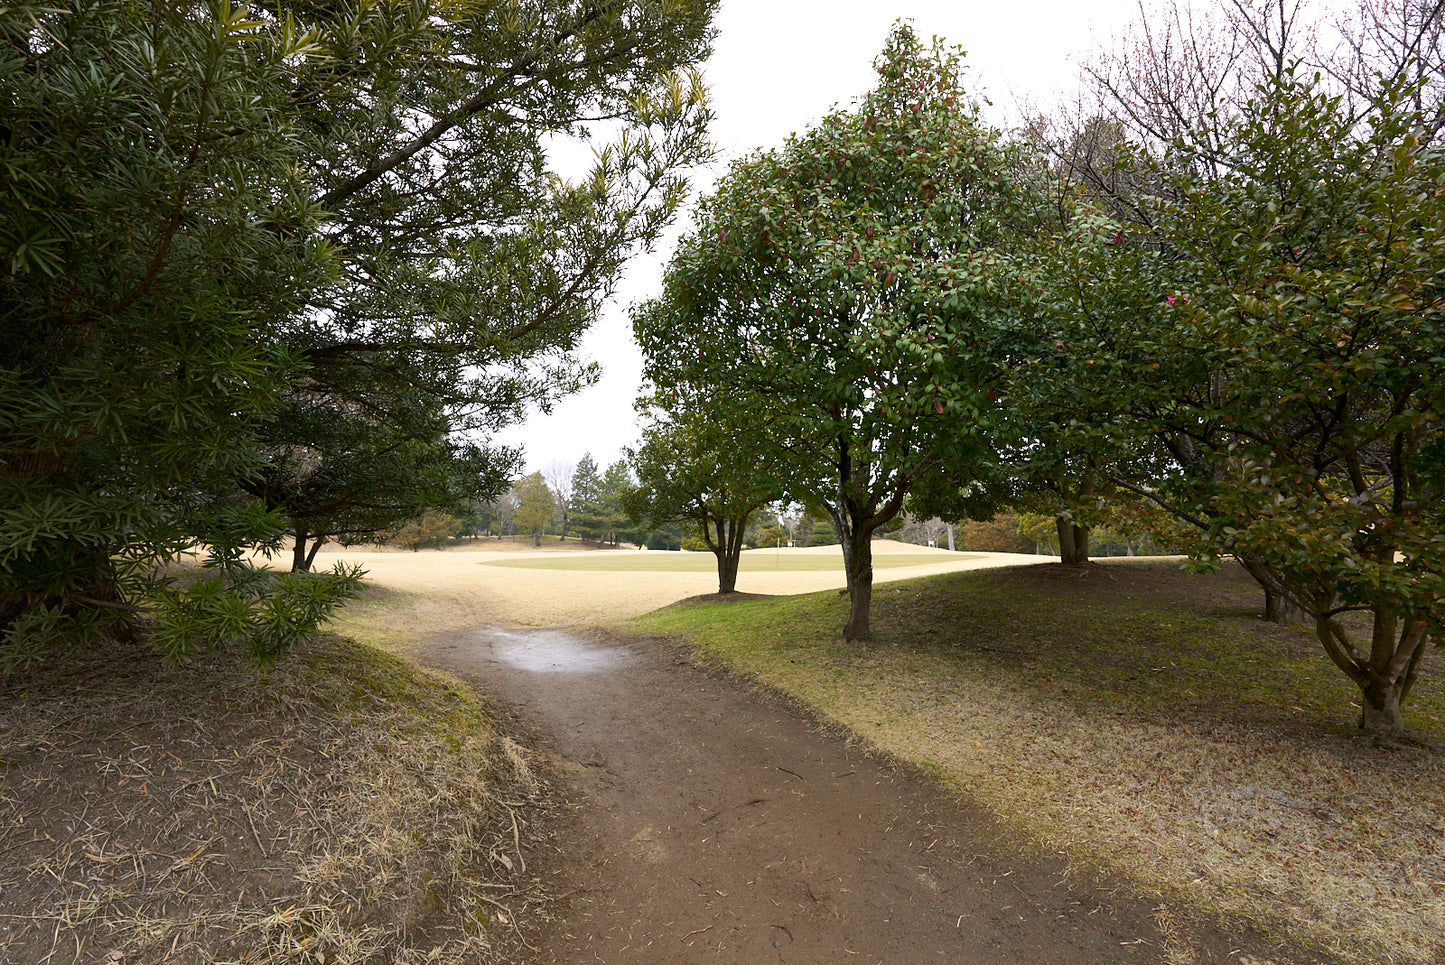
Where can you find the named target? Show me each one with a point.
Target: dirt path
(711, 823)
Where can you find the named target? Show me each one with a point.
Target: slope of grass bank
(341, 806)
(1144, 721)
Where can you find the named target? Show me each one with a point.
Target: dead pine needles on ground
(340, 806)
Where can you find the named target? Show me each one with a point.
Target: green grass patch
(753, 561)
(378, 618)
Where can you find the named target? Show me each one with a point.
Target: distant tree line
(567, 501)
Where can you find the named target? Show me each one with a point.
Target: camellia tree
(1315, 303)
(703, 467)
(1278, 347)
(255, 247)
(827, 284)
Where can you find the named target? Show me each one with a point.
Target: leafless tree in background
(1400, 41)
(503, 509)
(559, 477)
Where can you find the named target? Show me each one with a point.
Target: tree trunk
(727, 560)
(1386, 673)
(857, 515)
(728, 548)
(950, 538)
(1280, 609)
(1073, 541)
(858, 562)
(300, 559)
(1380, 713)
(727, 571)
(536, 539)
(316, 544)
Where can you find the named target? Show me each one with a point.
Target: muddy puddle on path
(554, 651)
(713, 823)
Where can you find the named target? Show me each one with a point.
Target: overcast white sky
(781, 65)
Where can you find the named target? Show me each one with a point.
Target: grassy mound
(341, 806)
(1139, 719)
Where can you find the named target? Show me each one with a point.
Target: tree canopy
(827, 284)
(696, 465)
(1319, 325)
(243, 237)
(1273, 346)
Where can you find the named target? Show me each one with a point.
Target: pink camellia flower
(1170, 299)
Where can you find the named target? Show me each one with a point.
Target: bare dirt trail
(710, 822)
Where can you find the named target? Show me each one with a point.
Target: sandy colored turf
(763, 563)
(468, 589)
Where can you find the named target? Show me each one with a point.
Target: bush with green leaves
(430, 530)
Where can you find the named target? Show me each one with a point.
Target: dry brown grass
(344, 807)
(1322, 837)
(339, 807)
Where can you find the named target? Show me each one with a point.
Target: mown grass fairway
(413, 595)
(752, 561)
(1140, 719)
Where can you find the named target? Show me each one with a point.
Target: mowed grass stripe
(757, 561)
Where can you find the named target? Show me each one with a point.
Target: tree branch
(478, 102)
(1154, 497)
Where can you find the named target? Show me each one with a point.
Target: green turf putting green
(754, 561)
